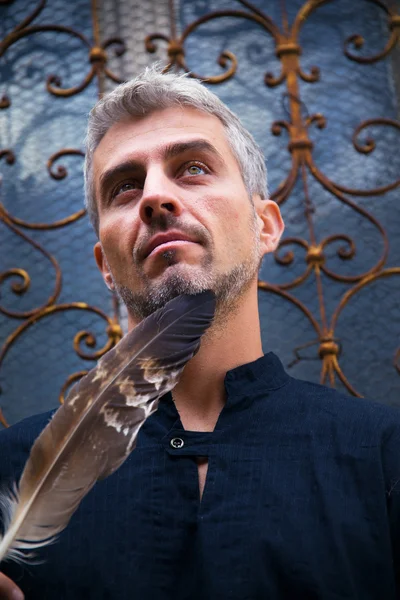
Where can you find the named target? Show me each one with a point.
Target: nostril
(148, 212)
(169, 206)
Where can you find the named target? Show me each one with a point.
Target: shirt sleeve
(391, 465)
(15, 446)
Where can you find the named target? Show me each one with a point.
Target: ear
(272, 225)
(103, 265)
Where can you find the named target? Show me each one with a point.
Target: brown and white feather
(96, 428)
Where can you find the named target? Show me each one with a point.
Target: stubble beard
(180, 278)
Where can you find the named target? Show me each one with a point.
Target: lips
(163, 238)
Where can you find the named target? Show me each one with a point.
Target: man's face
(174, 213)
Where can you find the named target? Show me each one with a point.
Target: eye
(126, 186)
(196, 169)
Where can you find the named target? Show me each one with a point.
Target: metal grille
(328, 298)
(50, 287)
(340, 239)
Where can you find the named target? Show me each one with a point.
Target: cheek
(230, 219)
(114, 236)
(223, 212)
(236, 219)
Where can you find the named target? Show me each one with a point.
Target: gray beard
(227, 287)
(180, 279)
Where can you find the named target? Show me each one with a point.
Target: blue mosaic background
(35, 126)
(38, 124)
(347, 93)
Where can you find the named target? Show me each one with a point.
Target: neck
(200, 394)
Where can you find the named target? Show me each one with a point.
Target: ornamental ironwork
(288, 50)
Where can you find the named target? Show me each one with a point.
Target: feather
(96, 428)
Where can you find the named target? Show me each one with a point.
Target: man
(246, 484)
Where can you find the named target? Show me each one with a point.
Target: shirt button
(177, 443)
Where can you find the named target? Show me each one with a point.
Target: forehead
(145, 138)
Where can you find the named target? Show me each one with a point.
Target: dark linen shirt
(301, 502)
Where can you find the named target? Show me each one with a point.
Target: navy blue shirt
(301, 502)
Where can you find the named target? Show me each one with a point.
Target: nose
(159, 197)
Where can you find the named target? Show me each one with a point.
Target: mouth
(166, 241)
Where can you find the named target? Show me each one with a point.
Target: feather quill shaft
(96, 428)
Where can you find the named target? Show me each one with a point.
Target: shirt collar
(241, 384)
(266, 372)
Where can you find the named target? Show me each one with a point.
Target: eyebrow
(173, 150)
(168, 152)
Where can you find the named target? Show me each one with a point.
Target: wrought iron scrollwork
(21, 287)
(114, 334)
(300, 146)
(84, 343)
(97, 53)
(311, 252)
(59, 173)
(357, 41)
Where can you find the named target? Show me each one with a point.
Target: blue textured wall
(37, 124)
(347, 93)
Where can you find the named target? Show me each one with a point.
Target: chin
(186, 279)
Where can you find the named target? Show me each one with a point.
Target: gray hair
(153, 90)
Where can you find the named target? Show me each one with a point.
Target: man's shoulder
(328, 404)
(26, 429)
(16, 442)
